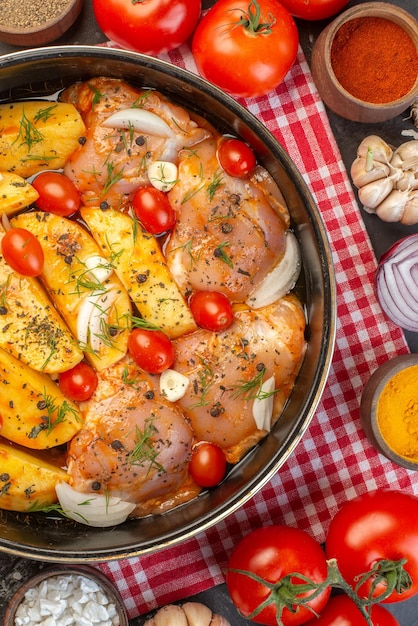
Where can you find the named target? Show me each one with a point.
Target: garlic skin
(387, 180)
(189, 614)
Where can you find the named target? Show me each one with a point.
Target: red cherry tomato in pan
(378, 525)
(23, 252)
(154, 211)
(211, 310)
(236, 158)
(152, 350)
(78, 383)
(314, 9)
(340, 610)
(57, 194)
(148, 26)
(245, 47)
(207, 465)
(271, 553)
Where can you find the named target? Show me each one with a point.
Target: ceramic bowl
(338, 99)
(369, 407)
(68, 573)
(44, 33)
(38, 72)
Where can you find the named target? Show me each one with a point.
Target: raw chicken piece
(134, 444)
(226, 371)
(111, 164)
(229, 231)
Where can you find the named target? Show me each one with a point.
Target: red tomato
(23, 252)
(377, 525)
(57, 193)
(148, 26)
(78, 383)
(340, 610)
(314, 9)
(207, 465)
(154, 211)
(211, 310)
(236, 158)
(271, 553)
(246, 47)
(152, 350)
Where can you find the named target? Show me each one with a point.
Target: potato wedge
(30, 327)
(141, 266)
(83, 286)
(38, 135)
(15, 193)
(34, 411)
(27, 482)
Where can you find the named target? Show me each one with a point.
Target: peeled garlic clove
(410, 214)
(382, 152)
(373, 194)
(392, 207)
(173, 385)
(163, 175)
(361, 176)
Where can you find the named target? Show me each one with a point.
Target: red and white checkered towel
(333, 462)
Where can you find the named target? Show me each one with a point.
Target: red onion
(397, 283)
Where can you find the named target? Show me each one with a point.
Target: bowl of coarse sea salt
(63, 596)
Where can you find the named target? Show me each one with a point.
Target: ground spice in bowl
(374, 59)
(30, 13)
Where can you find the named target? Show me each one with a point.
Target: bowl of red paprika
(365, 62)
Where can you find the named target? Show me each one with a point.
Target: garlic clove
(410, 214)
(381, 151)
(406, 155)
(373, 194)
(361, 176)
(197, 614)
(408, 180)
(173, 385)
(163, 175)
(392, 207)
(141, 120)
(170, 615)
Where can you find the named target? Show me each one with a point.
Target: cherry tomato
(23, 252)
(148, 26)
(211, 310)
(78, 383)
(314, 9)
(152, 208)
(376, 525)
(236, 158)
(57, 193)
(271, 553)
(152, 350)
(207, 465)
(340, 610)
(246, 47)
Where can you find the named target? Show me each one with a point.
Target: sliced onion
(93, 311)
(162, 175)
(282, 277)
(263, 405)
(92, 509)
(397, 283)
(141, 120)
(173, 385)
(99, 267)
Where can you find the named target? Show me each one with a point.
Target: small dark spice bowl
(365, 62)
(66, 593)
(36, 22)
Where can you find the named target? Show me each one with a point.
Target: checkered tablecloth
(334, 462)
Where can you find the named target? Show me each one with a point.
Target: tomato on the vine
(23, 252)
(245, 47)
(152, 350)
(340, 610)
(154, 211)
(314, 9)
(147, 26)
(57, 193)
(211, 310)
(79, 383)
(208, 464)
(379, 525)
(272, 553)
(236, 158)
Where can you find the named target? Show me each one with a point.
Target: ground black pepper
(29, 13)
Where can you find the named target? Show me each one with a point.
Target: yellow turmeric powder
(397, 413)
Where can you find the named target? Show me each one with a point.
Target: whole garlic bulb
(387, 179)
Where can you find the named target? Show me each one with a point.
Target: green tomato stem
(251, 20)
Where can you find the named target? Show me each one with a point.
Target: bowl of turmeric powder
(365, 62)
(389, 410)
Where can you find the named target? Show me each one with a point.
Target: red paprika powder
(374, 59)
